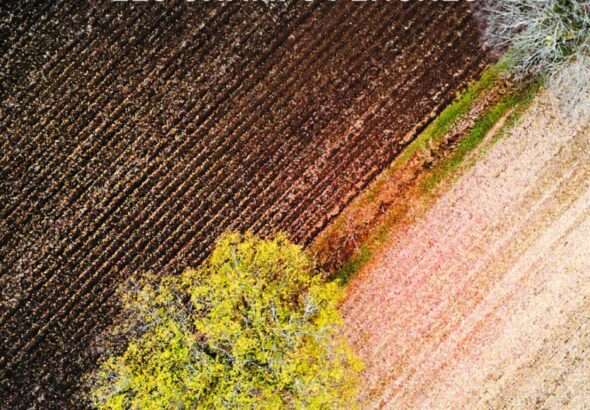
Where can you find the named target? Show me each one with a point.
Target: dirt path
(485, 301)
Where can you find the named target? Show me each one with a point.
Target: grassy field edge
(504, 113)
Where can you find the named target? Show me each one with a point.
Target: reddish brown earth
(484, 301)
(133, 134)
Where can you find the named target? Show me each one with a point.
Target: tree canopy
(550, 39)
(255, 326)
(542, 34)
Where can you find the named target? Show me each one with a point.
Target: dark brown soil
(133, 134)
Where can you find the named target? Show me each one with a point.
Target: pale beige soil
(484, 302)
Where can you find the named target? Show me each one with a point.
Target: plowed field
(133, 134)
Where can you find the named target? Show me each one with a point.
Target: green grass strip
(449, 116)
(434, 132)
(442, 124)
(517, 101)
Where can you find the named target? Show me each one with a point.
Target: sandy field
(484, 302)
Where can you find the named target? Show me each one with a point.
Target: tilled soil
(485, 301)
(134, 133)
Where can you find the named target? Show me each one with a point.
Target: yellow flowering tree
(254, 327)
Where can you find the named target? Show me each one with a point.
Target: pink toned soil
(484, 302)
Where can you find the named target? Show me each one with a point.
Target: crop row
(87, 96)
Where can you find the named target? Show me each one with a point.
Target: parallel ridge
(137, 133)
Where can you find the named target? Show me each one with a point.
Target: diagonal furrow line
(53, 79)
(119, 142)
(266, 185)
(237, 193)
(93, 124)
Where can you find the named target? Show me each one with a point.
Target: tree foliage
(548, 38)
(541, 34)
(254, 327)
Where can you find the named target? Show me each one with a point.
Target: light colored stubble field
(485, 301)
